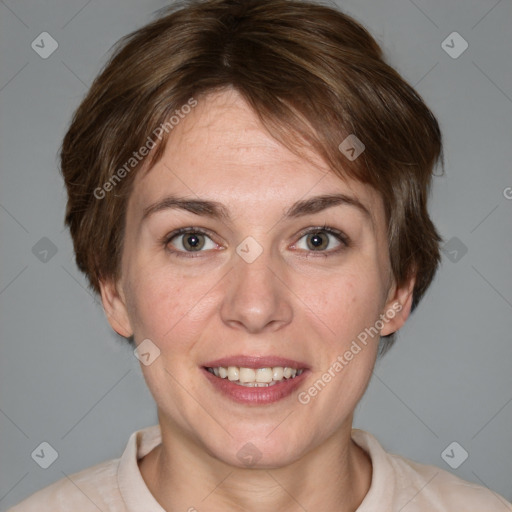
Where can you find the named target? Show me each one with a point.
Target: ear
(398, 306)
(115, 307)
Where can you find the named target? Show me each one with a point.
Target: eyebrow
(217, 210)
(319, 203)
(198, 206)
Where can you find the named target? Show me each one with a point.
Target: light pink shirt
(398, 484)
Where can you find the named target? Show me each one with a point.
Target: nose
(256, 297)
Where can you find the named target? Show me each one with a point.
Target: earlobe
(398, 308)
(115, 308)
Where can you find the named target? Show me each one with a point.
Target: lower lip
(256, 396)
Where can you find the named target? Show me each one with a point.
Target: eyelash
(336, 233)
(339, 235)
(183, 231)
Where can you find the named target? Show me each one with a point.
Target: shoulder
(403, 484)
(107, 486)
(440, 490)
(91, 489)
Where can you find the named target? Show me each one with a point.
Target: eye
(190, 240)
(322, 240)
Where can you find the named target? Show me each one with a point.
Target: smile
(255, 377)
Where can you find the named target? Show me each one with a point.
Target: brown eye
(317, 241)
(191, 241)
(327, 240)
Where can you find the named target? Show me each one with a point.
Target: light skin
(296, 300)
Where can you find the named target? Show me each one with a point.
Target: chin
(259, 450)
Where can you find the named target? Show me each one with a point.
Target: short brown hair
(312, 74)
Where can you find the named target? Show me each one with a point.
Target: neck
(333, 477)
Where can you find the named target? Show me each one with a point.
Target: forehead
(221, 151)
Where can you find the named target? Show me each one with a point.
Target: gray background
(68, 380)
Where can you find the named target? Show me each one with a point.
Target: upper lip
(247, 361)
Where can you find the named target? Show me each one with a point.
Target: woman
(247, 190)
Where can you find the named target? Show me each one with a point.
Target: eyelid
(167, 238)
(340, 235)
(182, 231)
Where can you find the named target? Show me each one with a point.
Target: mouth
(253, 379)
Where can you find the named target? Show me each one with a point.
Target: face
(239, 254)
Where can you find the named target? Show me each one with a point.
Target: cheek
(347, 303)
(167, 306)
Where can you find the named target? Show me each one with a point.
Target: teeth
(247, 375)
(264, 375)
(233, 373)
(277, 373)
(255, 377)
